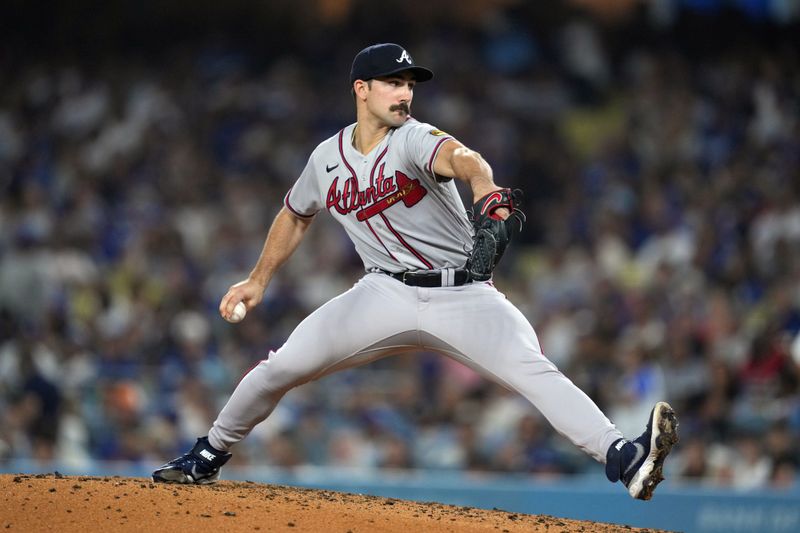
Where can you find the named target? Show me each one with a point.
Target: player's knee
(274, 376)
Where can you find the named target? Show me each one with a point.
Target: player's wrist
(259, 280)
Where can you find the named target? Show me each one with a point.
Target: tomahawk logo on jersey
(378, 196)
(370, 195)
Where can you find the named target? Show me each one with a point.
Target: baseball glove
(492, 234)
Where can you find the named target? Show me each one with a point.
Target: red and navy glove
(492, 233)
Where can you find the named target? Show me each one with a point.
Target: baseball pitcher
(391, 182)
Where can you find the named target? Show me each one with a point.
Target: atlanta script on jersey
(389, 201)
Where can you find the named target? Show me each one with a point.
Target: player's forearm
(470, 167)
(283, 238)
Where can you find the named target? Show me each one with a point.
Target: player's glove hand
(492, 233)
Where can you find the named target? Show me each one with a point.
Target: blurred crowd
(661, 259)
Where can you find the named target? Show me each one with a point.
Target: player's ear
(360, 89)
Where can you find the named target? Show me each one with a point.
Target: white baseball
(238, 313)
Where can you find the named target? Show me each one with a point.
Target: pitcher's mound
(54, 502)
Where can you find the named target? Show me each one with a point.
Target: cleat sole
(653, 469)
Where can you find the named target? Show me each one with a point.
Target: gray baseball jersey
(398, 215)
(401, 218)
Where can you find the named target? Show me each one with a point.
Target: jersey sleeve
(423, 143)
(304, 198)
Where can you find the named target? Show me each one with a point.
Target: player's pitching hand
(249, 292)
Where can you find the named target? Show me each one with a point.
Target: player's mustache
(401, 107)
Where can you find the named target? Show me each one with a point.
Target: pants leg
(478, 326)
(375, 318)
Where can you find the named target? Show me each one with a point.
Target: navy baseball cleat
(200, 466)
(640, 463)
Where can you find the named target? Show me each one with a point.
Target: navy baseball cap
(385, 59)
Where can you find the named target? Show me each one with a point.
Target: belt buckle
(405, 273)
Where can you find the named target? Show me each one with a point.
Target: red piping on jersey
(436, 151)
(292, 209)
(371, 176)
(404, 243)
(344, 159)
(388, 225)
(353, 174)
(380, 241)
(386, 220)
(372, 172)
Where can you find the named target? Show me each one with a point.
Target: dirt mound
(53, 502)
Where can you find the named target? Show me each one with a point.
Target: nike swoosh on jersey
(328, 169)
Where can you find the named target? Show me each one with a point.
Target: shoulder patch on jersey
(437, 133)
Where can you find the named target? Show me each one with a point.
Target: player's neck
(366, 136)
